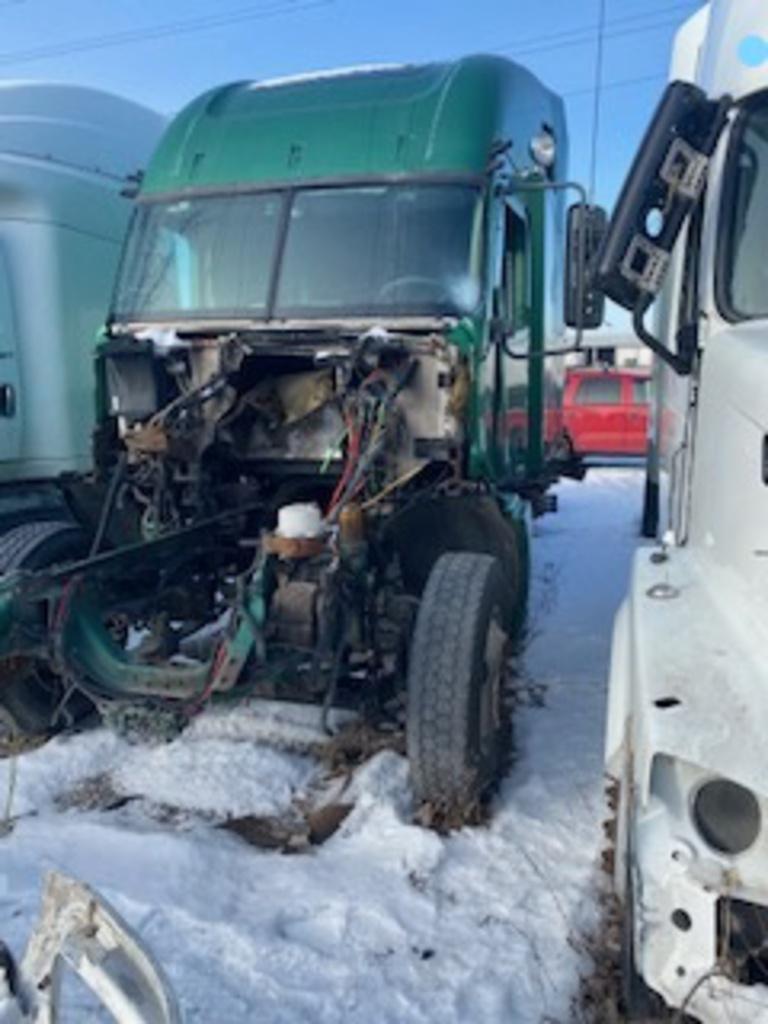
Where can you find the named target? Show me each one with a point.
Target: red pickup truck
(606, 411)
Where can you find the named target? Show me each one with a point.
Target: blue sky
(555, 38)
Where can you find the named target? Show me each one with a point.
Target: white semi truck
(66, 154)
(688, 706)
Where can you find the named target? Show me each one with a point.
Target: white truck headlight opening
(727, 816)
(742, 930)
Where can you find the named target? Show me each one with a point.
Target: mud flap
(78, 929)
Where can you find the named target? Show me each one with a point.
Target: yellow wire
(401, 480)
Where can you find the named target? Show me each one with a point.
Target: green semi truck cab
(329, 399)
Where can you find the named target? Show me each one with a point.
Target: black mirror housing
(665, 182)
(584, 302)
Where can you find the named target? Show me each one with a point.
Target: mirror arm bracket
(681, 362)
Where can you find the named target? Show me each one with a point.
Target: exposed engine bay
(213, 423)
(276, 479)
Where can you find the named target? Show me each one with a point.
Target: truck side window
(745, 279)
(516, 283)
(641, 391)
(599, 391)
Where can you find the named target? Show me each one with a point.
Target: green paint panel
(438, 118)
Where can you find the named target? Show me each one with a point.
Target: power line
(586, 38)
(188, 26)
(182, 27)
(561, 40)
(598, 96)
(569, 35)
(620, 84)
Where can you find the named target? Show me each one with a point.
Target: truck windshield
(389, 250)
(746, 270)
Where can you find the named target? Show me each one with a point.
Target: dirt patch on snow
(293, 833)
(95, 793)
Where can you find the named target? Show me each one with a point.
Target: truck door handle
(7, 400)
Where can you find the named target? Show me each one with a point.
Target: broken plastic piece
(79, 929)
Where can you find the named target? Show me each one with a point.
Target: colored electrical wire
(218, 661)
(353, 451)
(401, 481)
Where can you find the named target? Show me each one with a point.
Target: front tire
(29, 692)
(41, 545)
(456, 729)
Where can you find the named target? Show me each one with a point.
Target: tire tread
(444, 651)
(18, 544)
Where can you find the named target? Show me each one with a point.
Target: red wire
(218, 661)
(354, 434)
(353, 450)
(372, 376)
(62, 608)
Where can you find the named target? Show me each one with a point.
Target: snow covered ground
(385, 922)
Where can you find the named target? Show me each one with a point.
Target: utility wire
(587, 35)
(588, 31)
(587, 38)
(598, 99)
(621, 83)
(181, 27)
(550, 41)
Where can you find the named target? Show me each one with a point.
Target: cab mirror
(584, 302)
(665, 182)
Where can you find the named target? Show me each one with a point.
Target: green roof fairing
(435, 119)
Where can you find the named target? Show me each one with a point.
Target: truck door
(513, 392)
(598, 417)
(10, 417)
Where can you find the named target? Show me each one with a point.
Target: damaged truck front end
(325, 414)
(685, 746)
